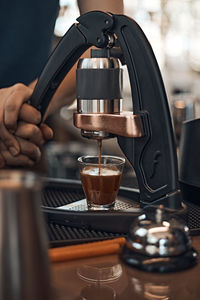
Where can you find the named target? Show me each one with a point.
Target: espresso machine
(145, 135)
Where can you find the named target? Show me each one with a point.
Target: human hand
(29, 154)
(20, 141)
(11, 101)
(30, 148)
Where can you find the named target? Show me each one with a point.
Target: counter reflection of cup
(101, 178)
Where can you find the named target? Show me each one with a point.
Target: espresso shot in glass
(101, 180)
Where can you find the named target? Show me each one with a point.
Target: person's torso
(26, 31)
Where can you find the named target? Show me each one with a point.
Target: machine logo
(155, 162)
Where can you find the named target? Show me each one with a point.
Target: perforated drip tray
(69, 226)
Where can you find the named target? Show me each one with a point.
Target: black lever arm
(90, 31)
(154, 155)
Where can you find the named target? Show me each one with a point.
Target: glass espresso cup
(101, 178)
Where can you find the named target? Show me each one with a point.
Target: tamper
(158, 242)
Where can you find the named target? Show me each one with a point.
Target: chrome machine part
(157, 235)
(96, 106)
(99, 82)
(105, 106)
(158, 242)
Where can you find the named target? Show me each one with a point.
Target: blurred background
(173, 29)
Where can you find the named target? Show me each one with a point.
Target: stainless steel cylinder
(104, 106)
(98, 106)
(24, 272)
(98, 63)
(99, 82)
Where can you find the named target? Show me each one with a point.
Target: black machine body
(153, 154)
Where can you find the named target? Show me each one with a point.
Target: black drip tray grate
(55, 196)
(60, 235)
(61, 192)
(193, 221)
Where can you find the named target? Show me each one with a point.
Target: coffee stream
(101, 183)
(99, 145)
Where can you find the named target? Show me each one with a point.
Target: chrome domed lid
(155, 234)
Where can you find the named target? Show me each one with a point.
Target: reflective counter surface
(108, 278)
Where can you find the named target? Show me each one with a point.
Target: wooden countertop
(129, 283)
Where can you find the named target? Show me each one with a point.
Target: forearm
(65, 93)
(114, 6)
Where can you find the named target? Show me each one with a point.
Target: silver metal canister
(99, 84)
(24, 272)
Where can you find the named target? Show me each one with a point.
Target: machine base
(159, 264)
(61, 192)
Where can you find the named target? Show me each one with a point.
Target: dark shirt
(26, 32)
